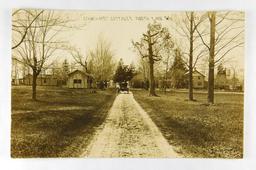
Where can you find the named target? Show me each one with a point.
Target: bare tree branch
(230, 49)
(26, 29)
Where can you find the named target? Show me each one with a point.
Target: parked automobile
(124, 87)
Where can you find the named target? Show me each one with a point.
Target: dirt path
(129, 132)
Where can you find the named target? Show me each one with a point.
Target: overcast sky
(120, 28)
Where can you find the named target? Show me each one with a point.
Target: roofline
(197, 72)
(87, 74)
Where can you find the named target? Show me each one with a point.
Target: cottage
(79, 79)
(17, 81)
(198, 79)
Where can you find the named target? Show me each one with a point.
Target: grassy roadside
(60, 124)
(195, 129)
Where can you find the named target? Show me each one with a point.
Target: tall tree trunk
(152, 91)
(211, 58)
(190, 81)
(34, 85)
(165, 79)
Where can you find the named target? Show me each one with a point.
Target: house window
(199, 83)
(44, 80)
(77, 81)
(199, 77)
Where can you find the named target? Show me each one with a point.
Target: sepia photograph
(127, 84)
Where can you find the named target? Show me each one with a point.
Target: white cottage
(198, 79)
(79, 79)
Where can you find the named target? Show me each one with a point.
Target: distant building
(42, 80)
(79, 79)
(226, 79)
(17, 81)
(221, 78)
(198, 79)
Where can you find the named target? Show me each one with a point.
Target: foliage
(101, 63)
(65, 69)
(178, 70)
(124, 72)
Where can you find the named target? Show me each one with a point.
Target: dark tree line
(178, 71)
(123, 72)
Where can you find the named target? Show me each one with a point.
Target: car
(124, 87)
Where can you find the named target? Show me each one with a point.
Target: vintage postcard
(137, 84)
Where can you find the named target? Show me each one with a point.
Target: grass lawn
(195, 129)
(60, 124)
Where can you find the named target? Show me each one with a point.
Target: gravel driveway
(129, 132)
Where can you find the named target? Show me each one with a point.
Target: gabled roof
(195, 71)
(79, 71)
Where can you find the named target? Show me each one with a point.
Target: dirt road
(129, 132)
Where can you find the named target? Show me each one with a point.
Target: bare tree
(17, 25)
(150, 46)
(101, 63)
(40, 42)
(143, 68)
(168, 54)
(226, 34)
(79, 58)
(185, 26)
